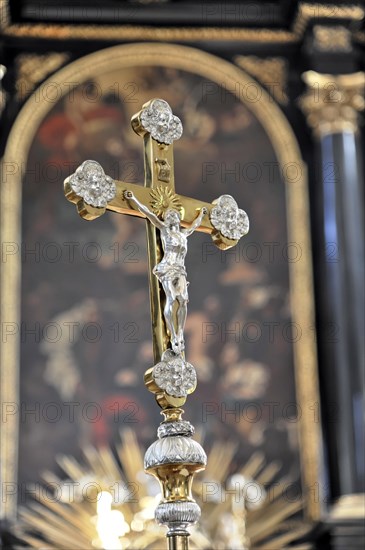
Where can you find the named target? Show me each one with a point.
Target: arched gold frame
(288, 154)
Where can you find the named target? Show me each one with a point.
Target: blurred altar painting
(86, 336)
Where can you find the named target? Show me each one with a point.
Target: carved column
(332, 106)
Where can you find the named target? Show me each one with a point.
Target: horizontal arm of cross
(189, 207)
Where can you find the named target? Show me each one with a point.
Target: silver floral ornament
(159, 120)
(228, 219)
(174, 375)
(91, 184)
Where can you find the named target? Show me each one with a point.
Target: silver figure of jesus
(171, 271)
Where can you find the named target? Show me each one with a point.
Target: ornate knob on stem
(174, 459)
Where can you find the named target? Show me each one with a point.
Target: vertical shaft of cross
(178, 542)
(159, 174)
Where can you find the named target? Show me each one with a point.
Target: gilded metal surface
(163, 197)
(163, 170)
(287, 151)
(177, 542)
(189, 207)
(333, 103)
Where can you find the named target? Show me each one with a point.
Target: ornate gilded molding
(33, 69)
(332, 102)
(4, 14)
(309, 12)
(271, 72)
(135, 32)
(306, 13)
(334, 39)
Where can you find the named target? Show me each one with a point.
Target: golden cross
(93, 193)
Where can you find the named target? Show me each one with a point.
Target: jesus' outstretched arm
(196, 223)
(144, 209)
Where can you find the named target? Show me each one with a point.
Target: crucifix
(171, 218)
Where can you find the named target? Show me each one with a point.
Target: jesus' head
(172, 219)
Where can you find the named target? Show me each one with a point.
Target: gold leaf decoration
(163, 198)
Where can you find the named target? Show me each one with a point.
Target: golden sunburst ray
(163, 199)
(111, 515)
